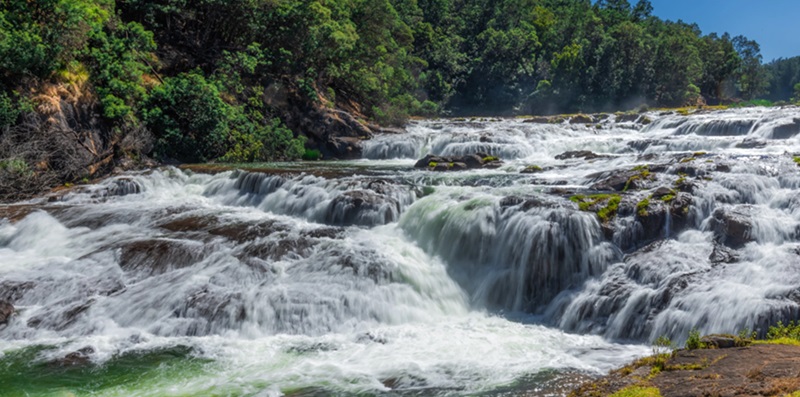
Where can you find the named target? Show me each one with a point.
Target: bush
(693, 342)
(189, 120)
(9, 111)
(312, 155)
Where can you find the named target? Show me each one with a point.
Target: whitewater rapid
(372, 277)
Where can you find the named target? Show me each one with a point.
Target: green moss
(533, 168)
(797, 160)
(688, 159)
(641, 207)
(668, 198)
(489, 159)
(700, 154)
(643, 173)
(432, 164)
(605, 213)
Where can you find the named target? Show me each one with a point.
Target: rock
(719, 341)
(585, 154)
(581, 119)
(485, 139)
(470, 161)
(364, 208)
(732, 226)
(722, 254)
(6, 311)
(531, 169)
(344, 148)
(751, 143)
(78, 358)
(663, 191)
(537, 120)
(644, 120)
(149, 257)
(627, 117)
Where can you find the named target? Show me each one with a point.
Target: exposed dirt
(756, 370)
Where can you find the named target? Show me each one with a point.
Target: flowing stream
(372, 277)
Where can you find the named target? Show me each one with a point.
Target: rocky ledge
(726, 370)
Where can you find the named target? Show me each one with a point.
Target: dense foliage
(214, 79)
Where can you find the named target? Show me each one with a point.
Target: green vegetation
(796, 160)
(489, 159)
(667, 198)
(641, 207)
(312, 155)
(592, 202)
(638, 391)
(643, 172)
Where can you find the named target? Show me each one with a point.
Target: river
(372, 277)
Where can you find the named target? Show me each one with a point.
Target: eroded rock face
(576, 154)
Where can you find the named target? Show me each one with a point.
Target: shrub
(312, 155)
(189, 120)
(9, 111)
(693, 342)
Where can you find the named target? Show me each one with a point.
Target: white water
(371, 277)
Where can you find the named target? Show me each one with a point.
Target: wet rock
(531, 169)
(751, 143)
(581, 119)
(458, 163)
(537, 120)
(362, 208)
(722, 254)
(786, 131)
(644, 120)
(124, 187)
(78, 358)
(621, 180)
(12, 291)
(276, 249)
(212, 309)
(665, 215)
(662, 192)
(485, 139)
(58, 319)
(627, 117)
(150, 257)
(345, 148)
(732, 226)
(719, 341)
(584, 154)
(6, 311)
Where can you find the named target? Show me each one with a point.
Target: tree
(753, 79)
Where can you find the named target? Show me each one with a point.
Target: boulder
(362, 208)
(732, 226)
(719, 341)
(6, 311)
(470, 161)
(574, 154)
(344, 148)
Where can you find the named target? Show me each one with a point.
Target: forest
(85, 82)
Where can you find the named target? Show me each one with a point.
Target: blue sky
(774, 24)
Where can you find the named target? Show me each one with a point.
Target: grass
(638, 391)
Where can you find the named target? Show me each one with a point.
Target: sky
(774, 24)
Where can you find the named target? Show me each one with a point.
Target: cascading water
(374, 278)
